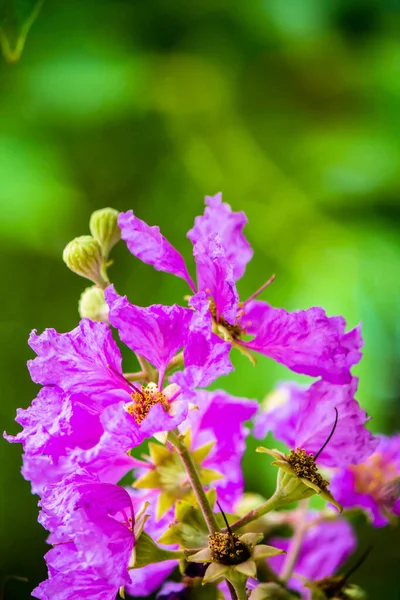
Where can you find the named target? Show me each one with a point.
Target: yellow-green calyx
(92, 304)
(104, 228)
(230, 554)
(83, 256)
(167, 473)
(145, 550)
(298, 477)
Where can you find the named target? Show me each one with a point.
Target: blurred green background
(291, 108)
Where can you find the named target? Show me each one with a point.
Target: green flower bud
(83, 256)
(104, 228)
(92, 304)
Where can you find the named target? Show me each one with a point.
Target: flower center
(235, 331)
(377, 478)
(143, 400)
(227, 549)
(304, 466)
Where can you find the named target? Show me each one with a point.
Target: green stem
(138, 376)
(151, 374)
(274, 502)
(296, 542)
(176, 440)
(174, 363)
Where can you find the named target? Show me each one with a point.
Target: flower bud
(83, 256)
(92, 304)
(104, 228)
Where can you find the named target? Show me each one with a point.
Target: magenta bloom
(87, 361)
(374, 485)
(324, 548)
(305, 420)
(307, 342)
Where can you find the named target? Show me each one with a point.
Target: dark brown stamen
(228, 549)
(304, 466)
(329, 436)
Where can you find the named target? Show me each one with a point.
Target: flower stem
(176, 440)
(295, 544)
(274, 502)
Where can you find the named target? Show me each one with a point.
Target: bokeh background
(291, 108)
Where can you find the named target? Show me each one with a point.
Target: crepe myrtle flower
(215, 436)
(232, 556)
(307, 341)
(325, 425)
(324, 548)
(87, 361)
(373, 485)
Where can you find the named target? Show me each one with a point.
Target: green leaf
(16, 19)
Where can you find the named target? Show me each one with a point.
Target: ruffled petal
(156, 332)
(98, 517)
(351, 442)
(56, 422)
(147, 244)
(306, 341)
(219, 218)
(215, 276)
(69, 581)
(86, 360)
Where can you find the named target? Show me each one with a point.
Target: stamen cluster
(304, 466)
(142, 401)
(228, 549)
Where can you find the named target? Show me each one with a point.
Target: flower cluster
(139, 473)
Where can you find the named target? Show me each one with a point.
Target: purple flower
(324, 548)
(98, 518)
(306, 418)
(374, 485)
(308, 342)
(87, 361)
